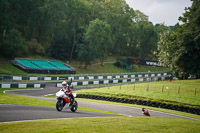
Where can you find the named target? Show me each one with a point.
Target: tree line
(75, 29)
(91, 29)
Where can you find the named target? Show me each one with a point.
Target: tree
(85, 54)
(98, 35)
(183, 46)
(146, 39)
(14, 44)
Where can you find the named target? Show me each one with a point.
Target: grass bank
(179, 92)
(105, 125)
(21, 100)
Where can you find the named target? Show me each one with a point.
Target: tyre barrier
(143, 102)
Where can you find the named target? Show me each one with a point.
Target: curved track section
(13, 113)
(21, 112)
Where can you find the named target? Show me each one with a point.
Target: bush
(36, 48)
(14, 44)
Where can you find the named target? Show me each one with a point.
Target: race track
(10, 113)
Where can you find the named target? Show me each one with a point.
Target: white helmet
(64, 83)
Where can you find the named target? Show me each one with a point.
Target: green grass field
(162, 91)
(119, 124)
(105, 125)
(91, 125)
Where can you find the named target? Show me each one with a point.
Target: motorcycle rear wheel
(74, 106)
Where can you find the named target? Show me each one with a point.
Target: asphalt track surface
(10, 113)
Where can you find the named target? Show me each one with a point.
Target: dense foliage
(181, 49)
(60, 28)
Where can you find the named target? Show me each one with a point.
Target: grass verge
(179, 92)
(105, 125)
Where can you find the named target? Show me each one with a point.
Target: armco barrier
(143, 102)
(114, 81)
(87, 77)
(23, 85)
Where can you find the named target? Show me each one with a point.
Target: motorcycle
(63, 101)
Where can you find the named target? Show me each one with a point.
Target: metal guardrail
(10, 78)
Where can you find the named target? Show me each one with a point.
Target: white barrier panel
(5, 86)
(17, 78)
(163, 78)
(132, 80)
(36, 85)
(139, 75)
(148, 79)
(47, 78)
(33, 78)
(96, 82)
(159, 74)
(59, 85)
(124, 80)
(165, 74)
(155, 79)
(146, 75)
(140, 79)
(91, 77)
(109, 77)
(115, 81)
(74, 83)
(22, 85)
(81, 78)
(70, 78)
(132, 76)
(152, 75)
(106, 81)
(125, 76)
(85, 82)
(117, 77)
(100, 77)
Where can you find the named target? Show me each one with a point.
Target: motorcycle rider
(145, 111)
(68, 91)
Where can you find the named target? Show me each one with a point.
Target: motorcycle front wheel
(74, 106)
(59, 106)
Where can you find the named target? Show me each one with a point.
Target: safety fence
(23, 85)
(83, 77)
(116, 81)
(12, 81)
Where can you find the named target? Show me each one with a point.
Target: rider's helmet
(64, 83)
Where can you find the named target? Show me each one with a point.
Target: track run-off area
(15, 113)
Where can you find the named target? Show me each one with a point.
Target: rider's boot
(72, 101)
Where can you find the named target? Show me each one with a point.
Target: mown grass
(162, 91)
(105, 125)
(22, 100)
(110, 68)
(7, 68)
